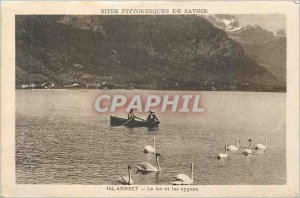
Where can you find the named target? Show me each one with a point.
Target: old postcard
(150, 99)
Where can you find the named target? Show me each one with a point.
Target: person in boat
(131, 114)
(152, 116)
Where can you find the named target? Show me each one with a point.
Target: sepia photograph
(151, 99)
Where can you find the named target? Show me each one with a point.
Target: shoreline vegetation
(175, 87)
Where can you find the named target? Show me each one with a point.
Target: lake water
(61, 139)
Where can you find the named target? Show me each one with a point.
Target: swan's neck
(225, 149)
(237, 143)
(192, 171)
(250, 144)
(154, 142)
(266, 142)
(158, 166)
(129, 176)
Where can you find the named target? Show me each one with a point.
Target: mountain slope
(268, 49)
(163, 52)
(263, 46)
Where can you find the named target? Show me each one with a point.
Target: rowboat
(116, 121)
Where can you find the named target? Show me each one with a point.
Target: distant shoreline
(81, 89)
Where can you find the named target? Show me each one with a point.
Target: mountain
(155, 52)
(224, 21)
(268, 49)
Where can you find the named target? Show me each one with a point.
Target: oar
(141, 119)
(127, 121)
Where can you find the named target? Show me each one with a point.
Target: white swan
(149, 148)
(232, 147)
(147, 167)
(261, 146)
(223, 155)
(183, 179)
(126, 179)
(248, 150)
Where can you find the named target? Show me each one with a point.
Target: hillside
(268, 49)
(156, 52)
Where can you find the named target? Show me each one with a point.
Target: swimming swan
(232, 147)
(126, 179)
(149, 148)
(147, 167)
(223, 155)
(261, 146)
(183, 179)
(248, 150)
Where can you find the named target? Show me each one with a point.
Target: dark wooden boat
(116, 121)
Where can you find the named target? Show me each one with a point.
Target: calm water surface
(60, 139)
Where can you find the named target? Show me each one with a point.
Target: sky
(271, 22)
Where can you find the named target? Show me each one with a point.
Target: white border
(10, 9)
